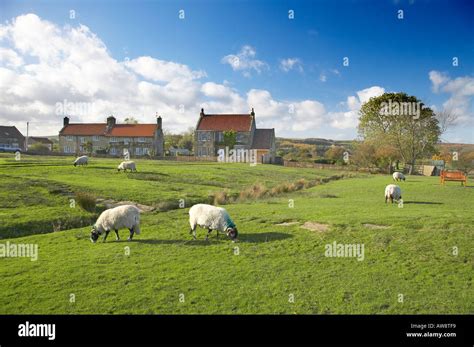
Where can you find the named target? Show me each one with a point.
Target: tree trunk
(412, 167)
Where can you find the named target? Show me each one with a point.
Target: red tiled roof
(221, 122)
(118, 130)
(142, 130)
(84, 129)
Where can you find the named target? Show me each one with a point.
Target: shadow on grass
(247, 238)
(422, 203)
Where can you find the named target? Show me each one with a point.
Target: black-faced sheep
(125, 216)
(211, 218)
(127, 165)
(84, 160)
(392, 193)
(398, 176)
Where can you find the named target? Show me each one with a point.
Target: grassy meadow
(418, 257)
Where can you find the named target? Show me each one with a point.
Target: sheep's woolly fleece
(126, 216)
(212, 217)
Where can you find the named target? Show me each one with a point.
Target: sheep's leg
(106, 234)
(209, 231)
(131, 234)
(193, 231)
(117, 235)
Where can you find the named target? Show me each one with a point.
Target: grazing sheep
(212, 218)
(84, 160)
(392, 193)
(125, 216)
(124, 165)
(398, 176)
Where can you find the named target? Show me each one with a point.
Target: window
(138, 151)
(220, 136)
(113, 139)
(204, 136)
(95, 138)
(82, 139)
(203, 152)
(141, 139)
(113, 151)
(241, 137)
(69, 138)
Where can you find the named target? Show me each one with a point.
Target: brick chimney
(111, 121)
(252, 113)
(202, 113)
(66, 121)
(159, 122)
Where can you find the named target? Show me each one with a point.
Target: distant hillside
(321, 145)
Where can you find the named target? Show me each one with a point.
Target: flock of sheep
(203, 215)
(124, 165)
(128, 216)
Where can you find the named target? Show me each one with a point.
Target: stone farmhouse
(112, 138)
(209, 135)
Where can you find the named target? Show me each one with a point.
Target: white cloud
(287, 115)
(44, 64)
(290, 64)
(437, 79)
(245, 61)
(10, 58)
(365, 94)
(461, 91)
(162, 71)
(349, 119)
(323, 77)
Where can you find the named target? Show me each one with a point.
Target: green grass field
(421, 253)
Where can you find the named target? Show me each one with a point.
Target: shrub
(86, 200)
(256, 191)
(167, 205)
(221, 198)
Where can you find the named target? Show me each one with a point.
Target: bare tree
(446, 119)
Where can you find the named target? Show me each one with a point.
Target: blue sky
(385, 53)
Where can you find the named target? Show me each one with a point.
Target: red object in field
(453, 176)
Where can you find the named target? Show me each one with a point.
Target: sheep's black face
(232, 233)
(94, 235)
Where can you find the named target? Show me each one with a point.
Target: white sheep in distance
(392, 193)
(127, 165)
(125, 216)
(398, 176)
(211, 218)
(84, 160)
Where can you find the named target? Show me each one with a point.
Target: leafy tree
(335, 152)
(39, 148)
(130, 120)
(187, 139)
(465, 162)
(364, 155)
(88, 147)
(413, 135)
(230, 138)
